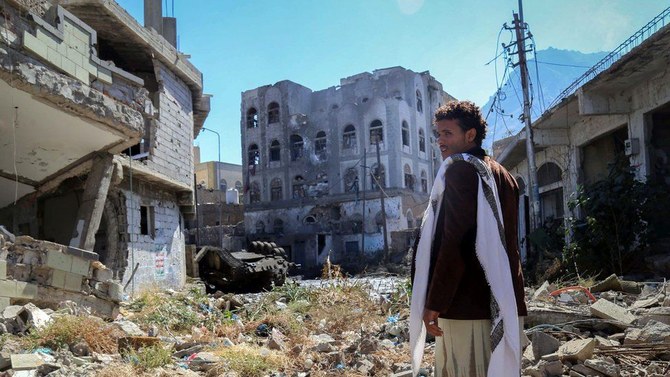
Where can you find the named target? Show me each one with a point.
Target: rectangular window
(351, 247)
(349, 140)
(147, 225)
(275, 193)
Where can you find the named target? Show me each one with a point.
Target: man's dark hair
(468, 116)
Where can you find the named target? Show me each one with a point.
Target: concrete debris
(610, 337)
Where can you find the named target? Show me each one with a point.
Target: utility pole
(534, 192)
(381, 198)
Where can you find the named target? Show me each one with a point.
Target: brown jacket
(457, 286)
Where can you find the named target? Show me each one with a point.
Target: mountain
(557, 69)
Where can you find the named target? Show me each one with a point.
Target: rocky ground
(348, 327)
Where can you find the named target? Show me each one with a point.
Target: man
(467, 279)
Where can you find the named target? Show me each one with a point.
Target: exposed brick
(59, 261)
(80, 266)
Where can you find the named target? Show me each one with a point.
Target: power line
(561, 65)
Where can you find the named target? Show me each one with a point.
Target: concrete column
(153, 15)
(93, 202)
(640, 128)
(170, 30)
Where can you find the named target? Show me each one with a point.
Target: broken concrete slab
(583, 370)
(659, 314)
(577, 350)
(652, 332)
(33, 316)
(542, 293)
(543, 344)
(608, 310)
(26, 361)
(604, 367)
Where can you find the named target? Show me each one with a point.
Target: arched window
(422, 140)
(254, 193)
(349, 137)
(275, 151)
(276, 190)
(223, 185)
(376, 132)
(548, 174)
(419, 101)
(273, 112)
(254, 155)
(410, 219)
(409, 178)
(377, 176)
(278, 226)
(405, 134)
(298, 187)
(424, 181)
(320, 145)
(238, 185)
(309, 220)
(252, 118)
(297, 145)
(260, 226)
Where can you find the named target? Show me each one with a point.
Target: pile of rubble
(80, 326)
(291, 331)
(615, 328)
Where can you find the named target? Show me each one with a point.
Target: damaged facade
(312, 180)
(623, 109)
(100, 114)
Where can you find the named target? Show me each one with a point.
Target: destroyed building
(98, 115)
(313, 172)
(621, 105)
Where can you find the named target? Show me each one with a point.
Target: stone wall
(46, 274)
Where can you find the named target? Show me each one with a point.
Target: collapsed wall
(48, 274)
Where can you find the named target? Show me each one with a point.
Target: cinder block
(80, 266)
(26, 361)
(81, 253)
(68, 66)
(35, 45)
(59, 261)
(82, 75)
(73, 282)
(25, 290)
(103, 275)
(7, 288)
(3, 269)
(105, 75)
(54, 57)
(4, 302)
(76, 56)
(58, 279)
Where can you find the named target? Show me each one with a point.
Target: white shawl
(490, 248)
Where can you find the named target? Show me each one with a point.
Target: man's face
(452, 139)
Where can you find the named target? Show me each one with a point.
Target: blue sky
(243, 44)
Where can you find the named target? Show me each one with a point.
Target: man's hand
(430, 321)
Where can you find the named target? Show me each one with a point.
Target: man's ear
(470, 135)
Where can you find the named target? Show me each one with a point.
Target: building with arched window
(318, 157)
(620, 113)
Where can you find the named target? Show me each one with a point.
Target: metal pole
(534, 191)
(365, 166)
(218, 181)
(381, 198)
